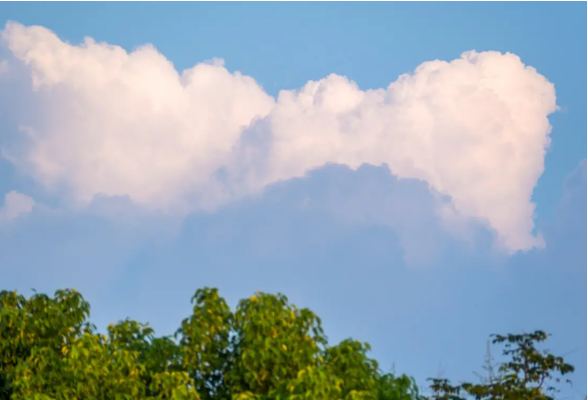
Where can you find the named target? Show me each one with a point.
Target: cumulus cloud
(128, 124)
(15, 204)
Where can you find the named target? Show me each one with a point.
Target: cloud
(15, 204)
(474, 129)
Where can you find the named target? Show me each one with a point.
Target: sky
(415, 173)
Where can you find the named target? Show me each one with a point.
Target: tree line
(265, 349)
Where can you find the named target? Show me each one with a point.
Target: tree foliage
(265, 349)
(526, 375)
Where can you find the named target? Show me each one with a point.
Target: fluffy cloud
(15, 204)
(116, 123)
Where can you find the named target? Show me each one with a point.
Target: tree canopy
(265, 349)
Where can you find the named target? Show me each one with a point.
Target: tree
(526, 375)
(48, 350)
(266, 349)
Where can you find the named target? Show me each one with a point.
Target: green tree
(403, 387)
(48, 350)
(526, 375)
(266, 349)
(273, 342)
(206, 345)
(40, 323)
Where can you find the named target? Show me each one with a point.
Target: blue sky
(417, 257)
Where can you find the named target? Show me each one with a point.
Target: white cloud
(118, 123)
(15, 204)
